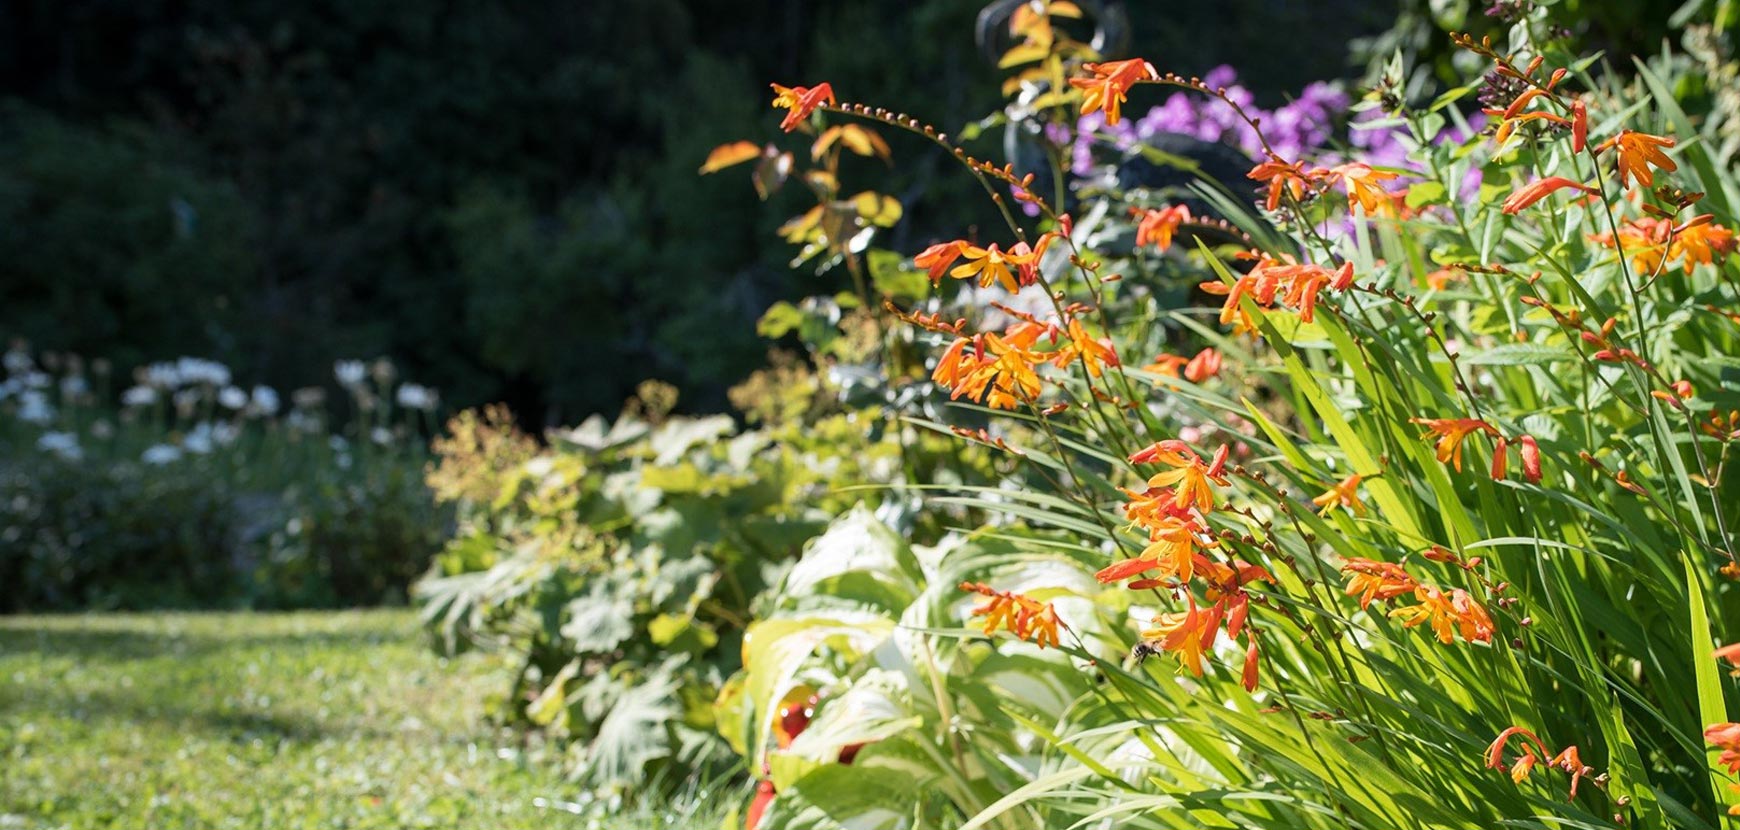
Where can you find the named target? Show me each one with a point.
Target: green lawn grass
(329, 720)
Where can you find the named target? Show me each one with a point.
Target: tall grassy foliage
(1440, 528)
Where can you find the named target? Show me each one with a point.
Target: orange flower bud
(1500, 459)
(1531, 458)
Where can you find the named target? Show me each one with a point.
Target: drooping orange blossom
(1109, 83)
(801, 101)
(1451, 433)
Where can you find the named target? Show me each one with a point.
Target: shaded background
(501, 196)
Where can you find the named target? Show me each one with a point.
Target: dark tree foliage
(500, 195)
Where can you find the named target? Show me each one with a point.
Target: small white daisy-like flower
(159, 454)
(62, 444)
(350, 372)
(33, 407)
(264, 401)
(232, 397)
(139, 396)
(413, 396)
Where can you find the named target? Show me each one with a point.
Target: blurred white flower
(158, 375)
(350, 372)
(33, 407)
(381, 435)
(225, 433)
(36, 380)
(63, 444)
(9, 387)
(198, 370)
(74, 386)
(413, 396)
(299, 421)
(139, 396)
(17, 361)
(233, 397)
(159, 454)
(337, 443)
(102, 430)
(264, 401)
(199, 439)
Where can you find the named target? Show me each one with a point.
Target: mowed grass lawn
(304, 720)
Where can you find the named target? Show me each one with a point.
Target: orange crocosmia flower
(801, 101)
(1106, 89)
(1169, 365)
(1449, 613)
(991, 265)
(1157, 225)
(1204, 365)
(1570, 761)
(1451, 433)
(1538, 190)
(1185, 633)
(1153, 510)
(1372, 580)
(955, 364)
(1730, 652)
(1725, 736)
(1189, 477)
(1533, 750)
(1701, 241)
(1440, 279)
(1637, 153)
(1019, 614)
(1172, 552)
(1284, 177)
(1364, 187)
(1094, 354)
(1345, 494)
(937, 258)
(1006, 380)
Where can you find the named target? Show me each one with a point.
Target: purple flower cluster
(1305, 123)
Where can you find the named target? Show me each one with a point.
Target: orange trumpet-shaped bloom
(1172, 552)
(1189, 477)
(937, 258)
(1538, 190)
(1153, 510)
(1638, 152)
(1185, 633)
(1157, 225)
(1449, 613)
(1652, 242)
(1371, 580)
(1019, 614)
(1285, 178)
(991, 265)
(1451, 433)
(1204, 365)
(1344, 494)
(1364, 186)
(1095, 354)
(1110, 81)
(1726, 737)
(990, 369)
(801, 101)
